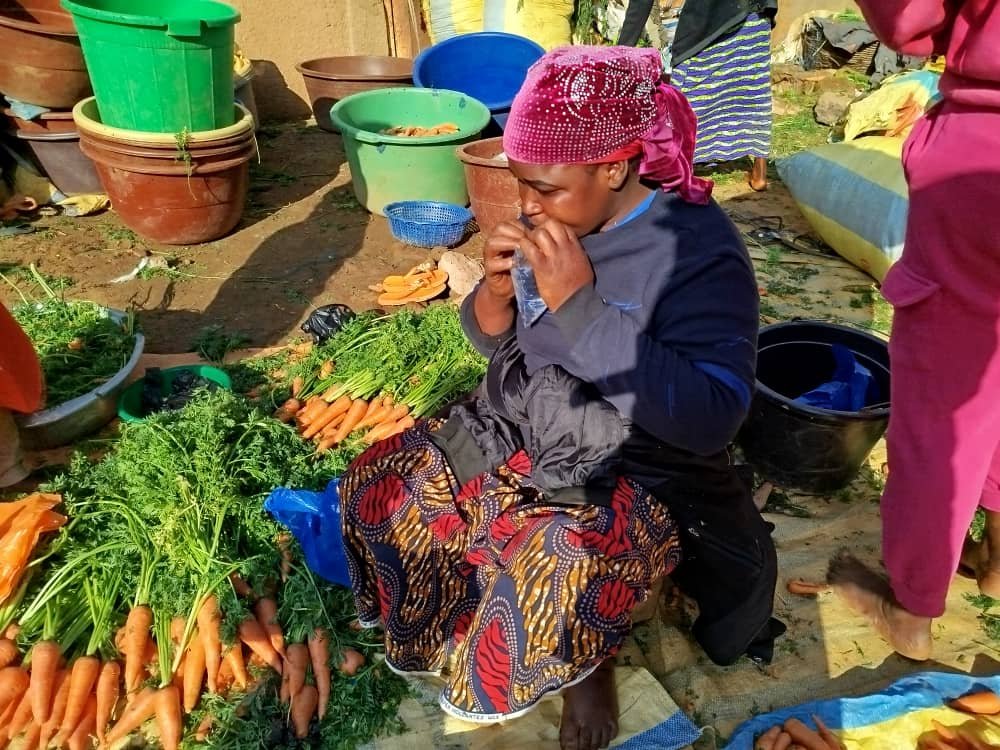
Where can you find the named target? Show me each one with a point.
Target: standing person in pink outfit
(944, 433)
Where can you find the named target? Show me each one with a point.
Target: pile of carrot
(796, 735)
(45, 703)
(329, 419)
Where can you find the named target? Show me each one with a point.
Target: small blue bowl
(428, 223)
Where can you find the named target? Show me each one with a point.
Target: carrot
(12, 631)
(6, 715)
(86, 729)
(303, 708)
(319, 653)
(285, 693)
(331, 429)
(806, 588)
(44, 663)
(21, 717)
(829, 737)
(314, 405)
(297, 383)
(204, 728)
(107, 695)
(31, 734)
(234, 658)
(194, 671)
(285, 547)
(803, 735)
(240, 586)
(354, 415)
(14, 682)
(8, 652)
(338, 407)
(380, 432)
(267, 614)
(51, 726)
(401, 426)
(143, 707)
(168, 717)
(287, 411)
(324, 445)
(373, 417)
(984, 703)
(326, 370)
(351, 662)
(209, 620)
(85, 672)
(255, 637)
(296, 666)
(137, 625)
(783, 741)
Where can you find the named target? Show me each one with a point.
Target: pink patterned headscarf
(591, 105)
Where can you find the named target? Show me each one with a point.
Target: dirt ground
(303, 241)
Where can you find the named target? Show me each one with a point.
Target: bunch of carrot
(47, 704)
(328, 419)
(796, 735)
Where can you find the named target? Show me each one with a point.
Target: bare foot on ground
(870, 595)
(590, 711)
(758, 175)
(979, 564)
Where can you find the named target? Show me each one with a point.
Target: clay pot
(330, 79)
(173, 195)
(41, 62)
(492, 187)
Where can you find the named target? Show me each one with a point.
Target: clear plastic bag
(530, 305)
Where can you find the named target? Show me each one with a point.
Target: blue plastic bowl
(489, 66)
(428, 223)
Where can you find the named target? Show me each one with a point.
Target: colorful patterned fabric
(531, 597)
(729, 87)
(582, 105)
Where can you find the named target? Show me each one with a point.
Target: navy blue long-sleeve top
(668, 331)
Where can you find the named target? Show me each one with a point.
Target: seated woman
(507, 546)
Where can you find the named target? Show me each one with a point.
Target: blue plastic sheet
(24, 110)
(847, 390)
(314, 520)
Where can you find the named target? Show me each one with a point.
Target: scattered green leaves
(214, 342)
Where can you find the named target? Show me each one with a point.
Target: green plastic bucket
(130, 401)
(390, 168)
(159, 66)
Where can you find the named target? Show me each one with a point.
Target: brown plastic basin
(330, 79)
(40, 57)
(492, 187)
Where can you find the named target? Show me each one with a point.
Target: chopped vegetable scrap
(415, 131)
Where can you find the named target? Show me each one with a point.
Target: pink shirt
(967, 32)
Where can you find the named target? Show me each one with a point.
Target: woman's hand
(559, 261)
(498, 259)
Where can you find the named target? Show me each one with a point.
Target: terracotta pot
(170, 201)
(330, 79)
(41, 62)
(492, 188)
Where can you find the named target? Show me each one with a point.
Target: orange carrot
(373, 417)
(85, 672)
(168, 717)
(351, 662)
(401, 426)
(107, 695)
(8, 652)
(297, 383)
(303, 708)
(331, 429)
(267, 614)
(5, 718)
(380, 432)
(319, 654)
(287, 411)
(314, 405)
(12, 631)
(51, 726)
(21, 718)
(285, 692)
(324, 445)
(204, 728)
(240, 586)
(354, 415)
(395, 414)
(327, 369)
(44, 664)
(137, 625)
(296, 665)
(255, 637)
(143, 707)
(234, 658)
(85, 730)
(32, 731)
(14, 682)
(806, 588)
(284, 542)
(209, 620)
(338, 407)
(194, 672)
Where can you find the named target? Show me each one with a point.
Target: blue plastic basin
(489, 66)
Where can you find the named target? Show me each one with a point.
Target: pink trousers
(944, 430)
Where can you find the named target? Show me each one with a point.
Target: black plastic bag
(326, 321)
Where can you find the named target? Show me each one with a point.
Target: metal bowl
(83, 415)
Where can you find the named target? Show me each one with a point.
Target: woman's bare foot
(870, 595)
(590, 711)
(978, 563)
(758, 174)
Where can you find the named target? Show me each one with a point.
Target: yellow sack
(855, 197)
(894, 107)
(448, 18)
(546, 22)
